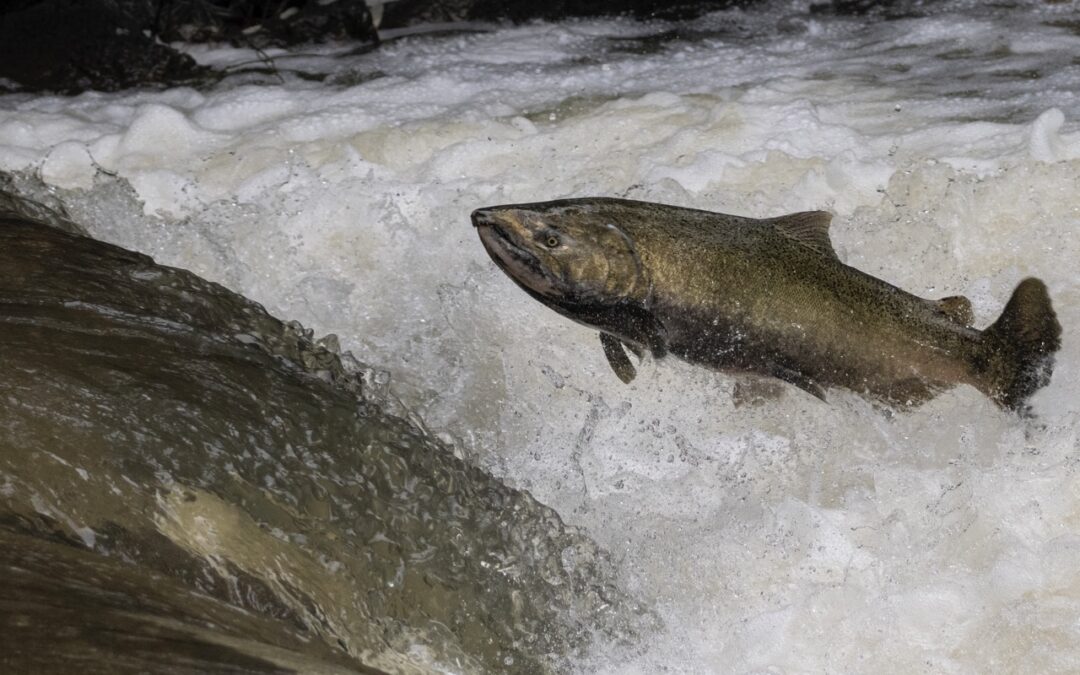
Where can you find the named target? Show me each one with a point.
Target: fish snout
(484, 217)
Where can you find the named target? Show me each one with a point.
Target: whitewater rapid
(790, 536)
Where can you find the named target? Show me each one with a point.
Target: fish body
(762, 296)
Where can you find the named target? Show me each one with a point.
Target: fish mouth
(519, 263)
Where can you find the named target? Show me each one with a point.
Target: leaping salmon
(768, 297)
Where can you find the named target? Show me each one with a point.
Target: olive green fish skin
(767, 297)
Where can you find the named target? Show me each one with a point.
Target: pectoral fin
(617, 358)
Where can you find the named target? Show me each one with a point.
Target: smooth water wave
(179, 432)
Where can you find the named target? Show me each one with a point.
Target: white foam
(792, 536)
(69, 165)
(1048, 144)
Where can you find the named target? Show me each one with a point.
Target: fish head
(565, 251)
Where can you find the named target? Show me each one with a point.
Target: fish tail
(1017, 357)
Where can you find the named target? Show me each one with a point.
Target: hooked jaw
(493, 226)
(484, 217)
(508, 244)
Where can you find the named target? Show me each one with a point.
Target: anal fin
(617, 358)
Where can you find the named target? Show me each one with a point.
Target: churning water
(787, 536)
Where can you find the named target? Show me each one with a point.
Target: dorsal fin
(809, 228)
(957, 308)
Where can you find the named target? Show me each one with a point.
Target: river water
(786, 536)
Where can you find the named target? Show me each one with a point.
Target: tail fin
(1018, 357)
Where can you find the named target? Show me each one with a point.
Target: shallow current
(789, 536)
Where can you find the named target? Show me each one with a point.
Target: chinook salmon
(766, 297)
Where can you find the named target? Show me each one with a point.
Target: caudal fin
(1018, 357)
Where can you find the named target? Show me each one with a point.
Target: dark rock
(257, 23)
(400, 13)
(69, 47)
(410, 12)
(877, 9)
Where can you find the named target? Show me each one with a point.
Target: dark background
(70, 46)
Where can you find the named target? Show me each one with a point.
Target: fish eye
(552, 241)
